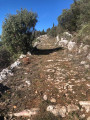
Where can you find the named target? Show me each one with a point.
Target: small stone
(71, 45)
(28, 83)
(28, 53)
(36, 92)
(57, 110)
(88, 118)
(83, 62)
(45, 97)
(26, 60)
(82, 116)
(86, 66)
(85, 48)
(50, 107)
(53, 100)
(72, 107)
(14, 107)
(27, 113)
(22, 56)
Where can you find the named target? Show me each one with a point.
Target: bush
(52, 32)
(4, 58)
(17, 31)
(72, 19)
(83, 34)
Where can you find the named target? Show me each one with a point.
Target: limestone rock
(53, 100)
(86, 66)
(22, 56)
(88, 118)
(68, 34)
(85, 48)
(86, 105)
(28, 53)
(45, 97)
(83, 62)
(27, 113)
(15, 64)
(63, 42)
(72, 107)
(71, 45)
(57, 110)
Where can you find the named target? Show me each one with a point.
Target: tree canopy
(17, 31)
(73, 18)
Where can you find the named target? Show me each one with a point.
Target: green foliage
(84, 34)
(1, 43)
(5, 58)
(17, 31)
(48, 30)
(52, 32)
(43, 32)
(72, 19)
(69, 17)
(37, 34)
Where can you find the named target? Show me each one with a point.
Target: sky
(47, 10)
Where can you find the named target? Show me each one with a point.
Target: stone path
(56, 82)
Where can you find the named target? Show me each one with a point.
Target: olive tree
(17, 31)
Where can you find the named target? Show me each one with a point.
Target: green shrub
(17, 31)
(5, 58)
(84, 34)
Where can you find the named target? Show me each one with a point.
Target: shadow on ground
(37, 51)
(3, 89)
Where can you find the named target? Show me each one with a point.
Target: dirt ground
(51, 71)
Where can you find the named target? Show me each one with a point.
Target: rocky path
(51, 86)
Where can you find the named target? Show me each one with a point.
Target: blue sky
(47, 10)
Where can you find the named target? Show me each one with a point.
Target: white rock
(22, 56)
(85, 48)
(35, 44)
(83, 62)
(27, 113)
(45, 97)
(82, 116)
(53, 100)
(72, 107)
(4, 73)
(71, 45)
(28, 83)
(63, 43)
(68, 34)
(88, 118)
(15, 64)
(57, 38)
(61, 110)
(50, 108)
(86, 66)
(86, 105)
(28, 53)
(57, 110)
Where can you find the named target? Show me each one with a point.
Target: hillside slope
(54, 81)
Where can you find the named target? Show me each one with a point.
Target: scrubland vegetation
(18, 31)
